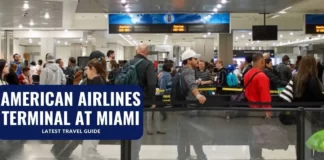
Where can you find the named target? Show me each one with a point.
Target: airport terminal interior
(226, 30)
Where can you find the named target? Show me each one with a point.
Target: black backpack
(179, 89)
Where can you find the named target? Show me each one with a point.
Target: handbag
(241, 96)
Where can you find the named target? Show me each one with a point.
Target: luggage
(62, 150)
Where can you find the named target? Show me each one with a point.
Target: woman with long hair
(306, 87)
(12, 77)
(4, 70)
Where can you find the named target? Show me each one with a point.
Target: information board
(314, 24)
(169, 23)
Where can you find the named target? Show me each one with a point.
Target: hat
(231, 67)
(96, 54)
(189, 54)
(49, 57)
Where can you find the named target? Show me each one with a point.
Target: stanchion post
(126, 150)
(300, 149)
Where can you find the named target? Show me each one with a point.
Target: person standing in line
(110, 57)
(52, 73)
(285, 73)
(24, 77)
(39, 66)
(257, 89)
(12, 77)
(17, 61)
(147, 81)
(4, 70)
(96, 75)
(71, 70)
(187, 133)
(60, 63)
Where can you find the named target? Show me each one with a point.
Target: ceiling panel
(12, 13)
(163, 6)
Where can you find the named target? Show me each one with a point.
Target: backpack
(129, 74)
(113, 74)
(179, 89)
(231, 80)
(71, 75)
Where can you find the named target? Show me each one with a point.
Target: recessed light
(219, 6)
(58, 42)
(30, 30)
(106, 15)
(250, 33)
(281, 36)
(65, 43)
(86, 41)
(319, 36)
(208, 33)
(275, 16)
(127, 10)
(66, 30)
(20, 26)
(242, 35)
(31, 23)
(123, 1)
(247, 44)
(258, 41)
(215, 10)
(291, 33)
(81, 39)
(39, 43)
(224, 1)
(26, 5)
(236, 38)
(46, 15)
(205, 36)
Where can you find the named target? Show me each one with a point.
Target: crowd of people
(257, 75)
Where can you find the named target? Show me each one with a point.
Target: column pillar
(225, 48)
(205, 47)
(76, 50)
(89, 48)
(16, 46)
(47, 46)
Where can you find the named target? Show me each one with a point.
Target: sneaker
(94, 156)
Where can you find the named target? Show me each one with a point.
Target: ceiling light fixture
(65, 43)
(236, 38)
(123, 1)
(242, 35)
(39, 43)
(106, 15)
(258, 41)
(287, 8)
(66, 30)
(86, 41)
(20, 26)
(219, 6)
(205, 36)
(126, 39)
(275, 16)
(58, 42)
(282, 12)
(127, 10)
(30, 30)
(250, 33)
(81, 39)
(215, 10)
(31, 23)
(281, 36)
(291, 33)
(46, 15)
(209, 33)
(26, 5)
(224, 1)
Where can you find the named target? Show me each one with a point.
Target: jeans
(187, 133)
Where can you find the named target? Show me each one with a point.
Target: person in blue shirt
(20, 66)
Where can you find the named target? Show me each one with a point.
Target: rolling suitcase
(62, 150)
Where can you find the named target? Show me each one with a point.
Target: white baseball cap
(189, 54)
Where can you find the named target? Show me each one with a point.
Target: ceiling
(163, 6)
(13, 13)
(58, 42)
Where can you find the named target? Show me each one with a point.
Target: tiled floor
(223, 140)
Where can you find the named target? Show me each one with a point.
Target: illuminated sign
(124, 28)
(178, 28)
(320, 29)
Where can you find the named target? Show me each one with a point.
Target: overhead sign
(169, 23)
(314, 23)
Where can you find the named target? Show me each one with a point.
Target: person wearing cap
(186, 131)
(284, 71)
(51, 74)
(96, 75)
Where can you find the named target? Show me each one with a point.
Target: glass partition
(215, 135)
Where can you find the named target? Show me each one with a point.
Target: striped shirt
(288, 93)
(204, 75)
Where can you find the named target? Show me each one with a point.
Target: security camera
(25, 14)
(124, 4)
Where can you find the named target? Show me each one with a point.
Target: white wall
(61, 52)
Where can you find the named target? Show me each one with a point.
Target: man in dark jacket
(285, 73)
(275, 82)
(147, 79)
